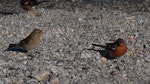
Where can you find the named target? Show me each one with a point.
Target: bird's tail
(15, 47)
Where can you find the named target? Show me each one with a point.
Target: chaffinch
(113, 50)
(30, 42)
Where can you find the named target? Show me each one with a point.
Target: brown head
(36, 33)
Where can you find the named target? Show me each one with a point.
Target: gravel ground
(69, 27)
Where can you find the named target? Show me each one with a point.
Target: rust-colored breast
(119, 51)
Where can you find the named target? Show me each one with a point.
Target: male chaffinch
(30, 42)
(113, 50)
(29, 4)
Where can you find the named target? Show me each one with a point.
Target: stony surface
(69, 27)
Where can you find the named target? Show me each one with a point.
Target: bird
(30, 42)
(29, 4)
(113, 50)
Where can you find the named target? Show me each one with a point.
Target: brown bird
(30, 42)
(29, 4)
(114, 50)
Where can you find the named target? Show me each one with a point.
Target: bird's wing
(111, 46)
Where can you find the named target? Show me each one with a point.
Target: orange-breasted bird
(30, 42)
(115, 49)
(29, 4)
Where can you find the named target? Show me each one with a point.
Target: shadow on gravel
(103, 53)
